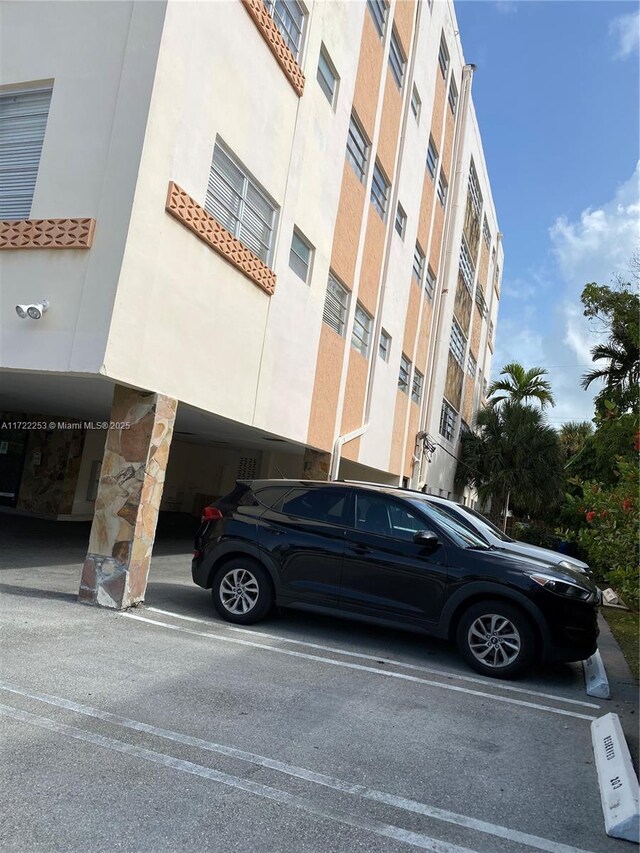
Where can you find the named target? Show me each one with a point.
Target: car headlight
(564, 588)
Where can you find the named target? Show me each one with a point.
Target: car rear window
(326, 505)
(270, 496)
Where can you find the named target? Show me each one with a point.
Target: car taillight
(211, 513)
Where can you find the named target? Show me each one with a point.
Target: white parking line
(361, 668)
(431, 670)
(302, 773)
(386, 830)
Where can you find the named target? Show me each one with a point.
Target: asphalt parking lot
(166, 729)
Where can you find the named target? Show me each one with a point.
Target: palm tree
(622, 373)
(521, 385)
(573, 435)
(512, 456)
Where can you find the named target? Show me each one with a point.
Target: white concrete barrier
(595, 677)
(617, 780)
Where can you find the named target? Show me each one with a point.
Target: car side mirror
(426, 538)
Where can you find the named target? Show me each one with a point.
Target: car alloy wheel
(239, 591)
(494, 640)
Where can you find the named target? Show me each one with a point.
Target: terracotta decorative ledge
(187, 211)
(275, 42)
(46, 233)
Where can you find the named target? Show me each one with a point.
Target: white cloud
(626, 30)
(592, 247)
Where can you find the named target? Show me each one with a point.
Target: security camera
(35, 311)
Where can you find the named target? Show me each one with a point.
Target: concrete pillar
(126, 510)
(315, 465)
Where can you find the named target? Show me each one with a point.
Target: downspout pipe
(341, 440)
(465, 95)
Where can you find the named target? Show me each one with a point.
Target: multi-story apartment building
(265, 234)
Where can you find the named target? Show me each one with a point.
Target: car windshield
(461, 535)
(484, 522)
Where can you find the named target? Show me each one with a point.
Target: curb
(595, 676)
(616, 778)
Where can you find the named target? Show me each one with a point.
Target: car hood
(545, 555)
(516, 562)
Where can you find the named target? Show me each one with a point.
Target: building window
(443, 57)
(453, 95)
(466, 265)
(418, 263)
(486, 234)
(240, 205)
(448, 421)
(472, 366)
(380, 190)
(379, 9)
(384, 347)
(357, 148)
(361, 334)
(458, 344)
(432, 158)
(289, 19)
(300, 256)
(442, 188)
(416, 387)
(491, 330)
(397, 59)
(430, 282)
(401, 220)
(474, 190)
(335, 305)
(23, 118)
(464, 427)
(416, 103)
(480, 300)
(327, 76)
(405, 374)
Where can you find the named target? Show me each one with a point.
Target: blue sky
(556, 93)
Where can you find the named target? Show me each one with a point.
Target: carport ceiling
(88, 397)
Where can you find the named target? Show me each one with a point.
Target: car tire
(242, 591)
(496, 639)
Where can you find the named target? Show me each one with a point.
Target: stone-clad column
(128, 500)
(315, 465)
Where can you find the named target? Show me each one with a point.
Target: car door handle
(361, 549)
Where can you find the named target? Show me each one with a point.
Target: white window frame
(416, 103)
(380, 187)
(457, 343)
(448, 420)
(443, 56)
(329, 88)
(397, 59)
(384, 345)
(379, 10)
(357, 151)
(361, 332)
(418, 263)
(486, 233)
(401, 221)
(467, 270)
(293, 40)
(430, 282)
(442, 189)
(417, 386)
(432, 158)
(404, 376)
(336, 296)
(453, 95)
(472, 366)
(21, 151)
(238, 223)
(297, 234)
(474, 189)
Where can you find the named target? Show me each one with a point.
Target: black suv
(388, 556)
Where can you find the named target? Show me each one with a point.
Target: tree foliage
(520, 386)
(615, 311)
(512, 456)
(574, 435)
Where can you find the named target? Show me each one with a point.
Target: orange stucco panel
(426, 208)
(353, 407)
(467, 405)
(326, 389)
(403, 19)
(423, 337)
(411, 319)
(436, 237)
(397, 439)
(365, 96)
(476, 329)
(389, 125)
(447, 146)
(437, 116)
(371, 262)
(483, 266)
(348, 223)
